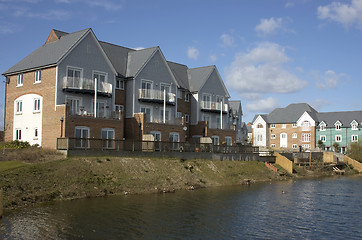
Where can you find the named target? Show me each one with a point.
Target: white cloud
(193, 53)
(213, 58)
(139, 48)
(57, 14)
(227, 40)
(329, 79)
(263, 105)
(344, 13)
(269, 26)
(6, 28)
(108, 5)
(261, 70)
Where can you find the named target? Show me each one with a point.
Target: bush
(16, 144)
(354, 151)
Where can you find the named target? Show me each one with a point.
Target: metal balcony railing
(101, 113)
(158, 95)
(86, 84)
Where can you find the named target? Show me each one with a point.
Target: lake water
(303, 209)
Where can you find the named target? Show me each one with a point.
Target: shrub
(354, 151)
(16, 144)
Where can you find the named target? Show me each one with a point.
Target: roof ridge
(117, 45)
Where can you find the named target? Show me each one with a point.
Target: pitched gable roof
(345, 117)
(235, 106)
(117, 55)
(137, 59)
(49, 54)
(291, 113)
(180, 73)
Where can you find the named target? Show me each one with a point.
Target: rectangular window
(36, 105)
(74, 105)
(118, 108)
(294, 125)
(354, 138)
(101, 77)
(228, 141)
(108, 138)
(187, 118)
(81, 135)
(354, 127)
(187, 97)
(147, 111)
(323, 138)
(338, 127)
(119, 83)
(215, 140)
(19, 107)
(36, 133)
(179, 114)
(146, 89)
(338, 138)
(284, 125)
(272, 125)
(322, 128)
(174, 139)
(272, 145)
(306, 146)
(273, 136)
(305, 137)
(74, 77)
(38, 76)
(294, 135)
(20, 80)
(294, 146)
(260, 138)
(179, 93)
(18, 134)
(206, 101)
(206, 118)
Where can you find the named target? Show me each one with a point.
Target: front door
(283, 140)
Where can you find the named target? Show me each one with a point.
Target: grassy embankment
(30, 176)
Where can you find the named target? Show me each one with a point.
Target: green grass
(6, 165)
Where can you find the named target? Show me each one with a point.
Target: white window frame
(322, 128)
(295, 146)
(108, 142)
(37, 76)
(272, 125)
(260, 125)
(354, 138)
(306, 146)
(272, 145)
(74, 69)
(206, 99)
(215, 140)
(323, 138)
(36, 105)
(118, 108)
(19, 106)
(354, 125)
(120, 83)
(294, 135)
(99, 73)
(20, 80)
(295, 125)
(149, 117)
(259, 137)
(187, 97)
(167, 115)
(179, 115)
(84, 142)
(273, 136)
(228, 141)
(338, 126)
(306, 137)
(306, 125)
(209, 119)
(156, 135)
(18, 134)
(338, 138)
(179, 93)
(284, 125)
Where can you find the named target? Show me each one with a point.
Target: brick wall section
(290, 130)
(46, 89)
(183, 106)
(120, 97)
(202, 130)
(95, 126)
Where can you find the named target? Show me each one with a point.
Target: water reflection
(308, 209)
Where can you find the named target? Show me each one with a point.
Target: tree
(320, 145)
(354, 151)
(336, 147)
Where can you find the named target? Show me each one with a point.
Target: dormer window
(322, 127)
(338, 125)
(354, 125)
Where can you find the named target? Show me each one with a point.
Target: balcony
(157, 96)
(207, 106)
(101, 113)
(83, 85)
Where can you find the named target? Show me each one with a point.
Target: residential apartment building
(342, 128)
(301, 125)
(287, 128)
(76, 86)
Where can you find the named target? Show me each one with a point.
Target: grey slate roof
(345, 117)
(137, 59)
(48, 54)
(117, 55)
(180, 73)
(249, 128)
(291, 113)
(263, 116)
(235, 106)
(198, 76)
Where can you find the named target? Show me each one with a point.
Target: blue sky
(269, 53)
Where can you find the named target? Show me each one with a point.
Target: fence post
(1, 203)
